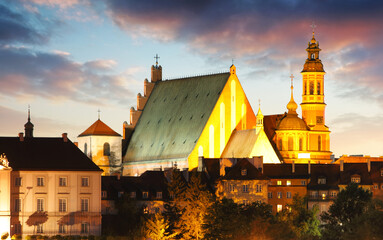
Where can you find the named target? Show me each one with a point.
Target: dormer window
(321, 180)
(244, 172)
(355, 178)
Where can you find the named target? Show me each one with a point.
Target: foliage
(302, 222)
(353, 215)
(157, 228)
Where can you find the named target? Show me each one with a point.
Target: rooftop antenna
(156, 57)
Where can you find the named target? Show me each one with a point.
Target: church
(178, 121)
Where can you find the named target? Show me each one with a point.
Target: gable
(174, 117)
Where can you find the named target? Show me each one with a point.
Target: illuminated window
(244, 172)
(245, 188)
(17, 205)
(288, 182)
(62, 228)
(84, 205)
(40, 181)
(279, 182)
(279, 207)
(288, 208)
(145, 195)
(314, 194)
(333, 194)
(231, 187)
(318, 88)
(159, 195)
(300, 144)
(62, 205)
(288, 194)
(18, 181)
(63, 181)
(279, 195)
(321, 180)
(39, 228)
(270, 195)
(311, 87)
(106, 149)
(303, 182)
(133, 195)
(323, 195)
(319, 143)
(291, 144)
(355, 179)
(211, 141)
(85, 182)
(312, 55)
(40, 205)
(84, 227)
(259, 188)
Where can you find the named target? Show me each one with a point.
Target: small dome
(292, 106)
(292, 122)
(139, 95)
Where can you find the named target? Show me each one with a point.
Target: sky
(67, 59)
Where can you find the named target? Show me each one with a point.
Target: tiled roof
(99, 128)
(328, 171)
(376, 175)
(284, 171)
(352, 169)
(40, 154)
(252, 173)
(174, 117)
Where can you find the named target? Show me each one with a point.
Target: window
(159, 195)
(231, 187)
(18, 181)
(375, 186)
(288, 194)
(279, 207)
(84, 205)
(244, 172)
(40, 204)
(259, 188)
(245, 188)
(300, 144)
(63, 181)
(290, 144)
(62, 228)
(279, 182)
(355, 179)
(84, 227)
(40, 181)
(106, 149)
(288, 182)
(145, 195)
(39, 228)
(18, 228)
(314, 194)
(62, 205)
(279, 195)
(311, 87)
(17, 205)
(321, 180)
(319, 143)
(85, 181)
(270, 195)
(333, 194)
(303, 182)
(318, 88)
(120, 194)
(323, 195)
(280, 144)
(245, 202)
(104, 194)
(132, 194)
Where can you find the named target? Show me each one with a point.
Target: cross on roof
(259, 103)
(292, 79)
(313, 26)
(232, 61)
(156, 57)
(99, 114)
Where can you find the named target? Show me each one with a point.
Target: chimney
(368, 164)
(65, 137)
(258, 163)
(341, 163)
(21, 136)
(309, 167)
(293, 166)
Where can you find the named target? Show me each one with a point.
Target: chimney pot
(65, 137)
(21, 137)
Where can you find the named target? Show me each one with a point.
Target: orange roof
(99, 128)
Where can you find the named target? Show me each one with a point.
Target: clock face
(319, 119)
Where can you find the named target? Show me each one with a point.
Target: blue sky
(67, 59)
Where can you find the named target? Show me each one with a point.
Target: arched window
(211, 141)
(280, 144)
(311, 87)
(291, 144)
(233, 105)
(318, 88)
(106, 149)
(86, 149)
(319, 143)
(300, 144)
(222, 127)
(312, 55)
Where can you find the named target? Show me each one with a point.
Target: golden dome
(292, 122)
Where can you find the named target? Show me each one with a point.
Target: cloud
(55, 3)
(24, 73)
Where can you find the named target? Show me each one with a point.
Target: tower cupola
(29, 126)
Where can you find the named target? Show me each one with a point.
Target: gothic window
(311, 87)
(291, 144)
(319, 143)
(106, 149)
(318, 88)
(211, 141)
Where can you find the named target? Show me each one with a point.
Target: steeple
(259, 123)
(29, 126)
(292, 106)
(313, 63)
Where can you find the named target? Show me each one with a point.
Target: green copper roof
(174, 117)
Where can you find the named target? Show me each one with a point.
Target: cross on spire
(29, 112)
(313, 26)
(232, 61)
(259, 103)
(156, 57)
(99, 114)
(292, 79)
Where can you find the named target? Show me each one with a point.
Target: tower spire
(28, 127)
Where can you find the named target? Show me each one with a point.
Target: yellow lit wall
(237, 114)
(5, 207)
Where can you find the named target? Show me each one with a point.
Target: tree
(157, 228)
(303, 222)
(196, 202)
(349, 210)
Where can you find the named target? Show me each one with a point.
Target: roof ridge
(195, 76)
